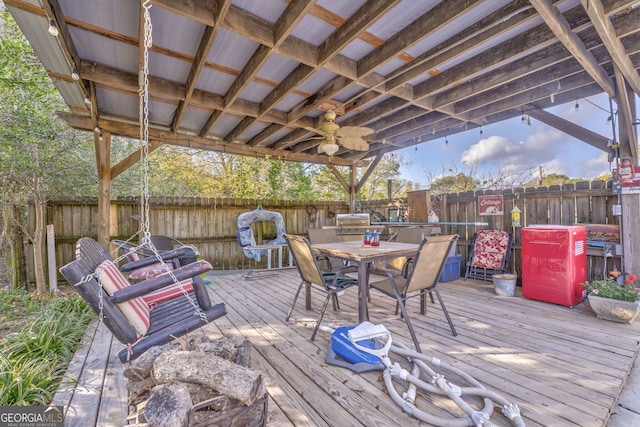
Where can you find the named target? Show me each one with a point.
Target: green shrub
(33, 358)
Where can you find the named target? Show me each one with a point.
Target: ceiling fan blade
(354, 131)
(358, 144)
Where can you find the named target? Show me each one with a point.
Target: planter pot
(504, 284)
(614, 310)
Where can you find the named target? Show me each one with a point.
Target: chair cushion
(168, 292)
(136, 310)
(343, 280)
(148, 272)
(490, 249)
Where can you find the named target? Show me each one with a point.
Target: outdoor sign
(490, 205)
(629, 184)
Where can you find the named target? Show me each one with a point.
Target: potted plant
(615, 298)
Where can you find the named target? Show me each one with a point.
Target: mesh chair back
(304, 258)
(323, 235)
(413, 234)
(428, 263)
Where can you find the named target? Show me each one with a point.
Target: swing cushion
(136, 310)
(148, 272)
(168, 292)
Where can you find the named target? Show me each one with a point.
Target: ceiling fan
(332, 135)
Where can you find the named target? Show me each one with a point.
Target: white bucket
(505, 284)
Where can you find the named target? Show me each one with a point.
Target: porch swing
(153, 311)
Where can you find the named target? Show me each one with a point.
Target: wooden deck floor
(562, 366)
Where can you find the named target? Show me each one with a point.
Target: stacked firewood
(168, 383)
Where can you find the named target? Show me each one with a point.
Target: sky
(514, 144)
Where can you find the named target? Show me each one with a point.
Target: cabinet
(554, 263)
(419, 204)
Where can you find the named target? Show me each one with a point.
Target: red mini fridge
(554, 263)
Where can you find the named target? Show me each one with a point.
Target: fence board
(210, 223)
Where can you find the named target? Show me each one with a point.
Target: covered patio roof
(251, 77)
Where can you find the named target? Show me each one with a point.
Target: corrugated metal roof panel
(103, 50)
(231, 50)
(170, 68)
(185, 34)
(277, 68)
(313, 30)
(269, 10)
(214, 81)
(117, 16)
(400, 16)
(255, 92)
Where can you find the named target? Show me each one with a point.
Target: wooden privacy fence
(210, 223)
(579, 203)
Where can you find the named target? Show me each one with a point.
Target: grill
(352, 224)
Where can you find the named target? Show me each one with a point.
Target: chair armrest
(166, 256)
(158, 282)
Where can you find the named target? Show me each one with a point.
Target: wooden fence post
(51, 259)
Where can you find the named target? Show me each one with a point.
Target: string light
(53, 29)
(446, 141)
(87, 101)
(577, 106)
(74, 74)
(481, 130)
(101, 138)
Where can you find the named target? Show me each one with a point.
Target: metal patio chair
(489, 254)
(333, 282)
(421, 279)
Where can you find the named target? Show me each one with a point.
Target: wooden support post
(629, 232)
(51, 259)
(102, 142)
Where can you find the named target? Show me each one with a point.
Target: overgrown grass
(34, 356)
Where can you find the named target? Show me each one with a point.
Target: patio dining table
(360, 255)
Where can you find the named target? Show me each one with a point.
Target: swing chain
(144, 140)
(144, 118)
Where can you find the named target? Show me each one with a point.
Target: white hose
(443, 387)
(438, 385)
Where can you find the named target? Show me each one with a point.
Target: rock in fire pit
(194, 381)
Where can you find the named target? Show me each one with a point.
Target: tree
(375, 188)
(41, 156)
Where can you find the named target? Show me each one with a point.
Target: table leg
(363, 281)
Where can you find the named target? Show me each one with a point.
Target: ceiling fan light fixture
(330, 148)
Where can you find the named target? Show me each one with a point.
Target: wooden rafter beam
(562, 30)
(191, 141)
(364, 17)
(369, 171)
(287, 22)
(199, 63)
(626, 110)
(607, 33)
(570, 128)
(173, 91)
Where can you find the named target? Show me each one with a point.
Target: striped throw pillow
(136, 310)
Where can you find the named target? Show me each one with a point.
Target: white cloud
(538, 148)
